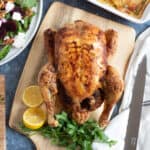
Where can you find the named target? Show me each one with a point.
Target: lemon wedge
(32, 96)
(34, 118)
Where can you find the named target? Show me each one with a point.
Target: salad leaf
(4, 51)
(11, 34)
(27, 21)
(27, 3)
(8, 16)
(20, 28)
(71, 135)
(1, 41)
(23, 27)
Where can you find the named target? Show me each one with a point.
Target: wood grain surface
(2, 114)
(57, 16)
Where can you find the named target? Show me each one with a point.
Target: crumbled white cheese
(16, 16)
(9, 6)
(0, 23)
(3, 20)
(34, 9)
(19, 40)
(6, 38)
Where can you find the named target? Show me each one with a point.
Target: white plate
(145, 17)
(29, 35)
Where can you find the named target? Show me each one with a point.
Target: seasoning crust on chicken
(81, 59)
(78, 64)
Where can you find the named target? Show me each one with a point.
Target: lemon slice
(34, 118)
(32, 96)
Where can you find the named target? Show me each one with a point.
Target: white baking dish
(145, 17)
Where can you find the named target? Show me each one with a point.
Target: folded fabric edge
(139, 51)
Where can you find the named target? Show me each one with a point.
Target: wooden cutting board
(2, 114)
(58, 15)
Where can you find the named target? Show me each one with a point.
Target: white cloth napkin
(117, 127)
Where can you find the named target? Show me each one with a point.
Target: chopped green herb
(4, 51)
(27, 3)
(71, 135)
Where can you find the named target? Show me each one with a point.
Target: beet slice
(19, 10)
(2, 32)
(10, 26)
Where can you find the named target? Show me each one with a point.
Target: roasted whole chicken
(78, 71)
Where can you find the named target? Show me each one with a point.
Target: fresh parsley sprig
(71, 135)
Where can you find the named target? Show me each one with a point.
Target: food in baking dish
(132, 7)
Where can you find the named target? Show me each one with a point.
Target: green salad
(15, 19)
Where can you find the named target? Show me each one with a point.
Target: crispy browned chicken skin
(78, 56)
